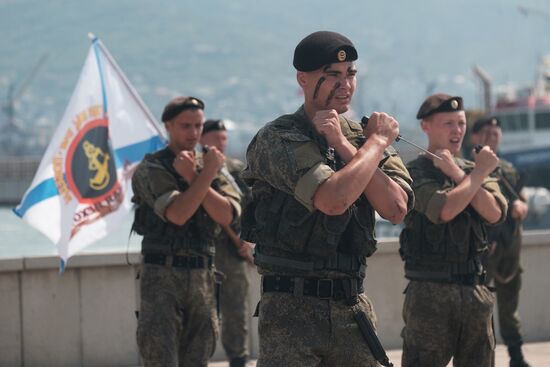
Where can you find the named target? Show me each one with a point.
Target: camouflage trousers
(234, 308)
(503, 267)
(177, 323)
(444, 321)
(301, 331)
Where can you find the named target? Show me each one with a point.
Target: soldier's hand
(382, 127)
(184, 164)
(327, 123)
(245, 251)
(519, 209)
(486, 160)
(448, 166)
(213, 160)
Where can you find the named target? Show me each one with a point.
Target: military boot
(516, 357)
(237, 362)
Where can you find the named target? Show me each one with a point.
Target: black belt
(467, 273)
(190, 262)
(464, 279)
(321, 288)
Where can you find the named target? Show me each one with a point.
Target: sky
(237, 55)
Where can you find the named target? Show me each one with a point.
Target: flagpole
(135, 95)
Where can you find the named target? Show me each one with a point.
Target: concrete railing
(85, 317)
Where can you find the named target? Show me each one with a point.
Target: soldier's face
(185, 129)
(491, 136)
(217, 139)
(445, 130)
(330, 87)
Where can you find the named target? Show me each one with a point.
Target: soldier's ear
(301, 78)
(425, 125)
(167, 125)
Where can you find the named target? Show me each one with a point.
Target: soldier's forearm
(345, 186)
(218, 207)
(487, 207)
(187, 202)
(387, 197)
(460, 197)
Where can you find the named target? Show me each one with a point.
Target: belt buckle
(324, 288)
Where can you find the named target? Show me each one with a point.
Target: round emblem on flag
(341, 55)
(454, 104)
(90, 164)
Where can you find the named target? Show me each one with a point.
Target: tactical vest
(290, 238)
(511, 227)
(163, 237)
(437, 251)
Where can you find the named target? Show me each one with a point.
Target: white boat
(525, 121)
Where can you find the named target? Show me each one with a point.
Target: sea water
(19, 239)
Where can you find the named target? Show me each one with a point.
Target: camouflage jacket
(156, 185)
(287, 162)
(427, 241)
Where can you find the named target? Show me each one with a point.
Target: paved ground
(537, 354)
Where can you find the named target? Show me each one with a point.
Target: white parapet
(85, 317)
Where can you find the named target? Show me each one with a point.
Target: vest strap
(341, 262)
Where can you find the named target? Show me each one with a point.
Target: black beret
(485, 121)
(439, 102)
(323, 48)
(180, 104)
(213, 125)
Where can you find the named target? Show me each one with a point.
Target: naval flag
(82, 188)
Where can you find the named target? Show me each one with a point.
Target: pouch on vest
(411, 237)
(446, 241)
(140, 221)
(267, 217)
(459, 233)
(431, 242)
(480, 236)
(359, 239)
(147, 222)
(326, 233)
(296, 227)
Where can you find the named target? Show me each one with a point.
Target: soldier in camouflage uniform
(448, 309)
(505, 242)
(316, 181)
(181, 202)
(232, 255)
